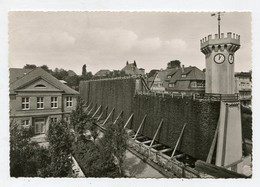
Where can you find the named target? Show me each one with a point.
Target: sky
(106, 40)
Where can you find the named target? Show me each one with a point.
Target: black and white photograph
(130, 96)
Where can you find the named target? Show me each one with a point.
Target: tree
(135, 64)
(46, 68)
(30, 66)
(114, 143)
(26, 158)
(174, 64)
(60, 149)
(84, 70)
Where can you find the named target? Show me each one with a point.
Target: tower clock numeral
(219, 58)
(231, 59)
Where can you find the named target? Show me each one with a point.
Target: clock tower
(220, 58)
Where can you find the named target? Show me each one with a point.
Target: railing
(194, 96)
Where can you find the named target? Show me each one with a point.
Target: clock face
(231, 59)
(219, 58)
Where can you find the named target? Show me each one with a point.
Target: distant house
(187, 80)
(37, 98)
(243, 86)
(131, 69)
(102, 73)
(159, 81)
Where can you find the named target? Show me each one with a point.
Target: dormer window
(171, 85)
(183, 75)
(169, 76)
(40, 86)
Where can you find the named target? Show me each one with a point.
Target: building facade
(243, 86)
(37, 98)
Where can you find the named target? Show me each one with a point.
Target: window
(26, 122)
(169, 76)
(193, 84)
(183, 75)
(40, 86)
(67, 118)
(25, 103)
(69, 101)
(171, 85)
(54, 102)
(40, 102)
(200, 84)
(54, 119)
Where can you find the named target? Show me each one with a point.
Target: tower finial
(218, 14)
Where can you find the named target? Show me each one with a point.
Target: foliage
(114, 144)
(29, 66)
(60, 149)
(246, 117)
(104, 157)
(26, 158)
(174, 64)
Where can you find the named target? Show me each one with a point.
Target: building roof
(183, 82)
(102, 72)
(17, 73)
(131, 69)
(192, 73)
(36, 74)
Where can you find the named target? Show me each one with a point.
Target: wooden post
(129, 120)
(211, 151)
(141, 124)
(96, 111)
(118, 117)
(156, 132)
(176, 146)
(91, 110)
(108, 117)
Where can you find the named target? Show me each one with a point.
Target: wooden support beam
(100, 116)
(156, 145)
(96, 111)
(129, 120)
(108, 116)
(216, 171)
(179, 139)
(165, 150)
(119, 115)
(87, 107)
(140, 137)
(91, 110)
(141, 124)
(212, 148)
(148, 141)
(156, 132)
(179, 155)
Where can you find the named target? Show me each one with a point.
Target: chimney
(182, 69)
